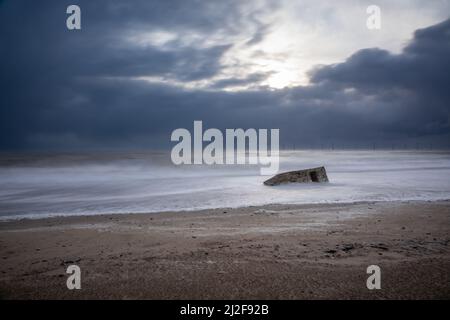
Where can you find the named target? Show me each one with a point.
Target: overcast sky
(137, 70)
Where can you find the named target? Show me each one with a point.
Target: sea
(67, 184)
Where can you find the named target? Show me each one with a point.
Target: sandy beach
(268, 252)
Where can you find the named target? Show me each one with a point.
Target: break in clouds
(138, 70)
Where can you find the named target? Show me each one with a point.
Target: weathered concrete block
(301, 176)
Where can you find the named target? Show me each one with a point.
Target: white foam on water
(149, 182)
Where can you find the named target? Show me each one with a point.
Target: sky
(137, 70)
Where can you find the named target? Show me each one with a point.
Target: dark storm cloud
(423, 64)
(75, 89)
(252, 79)
(50, 75)
(410, 90)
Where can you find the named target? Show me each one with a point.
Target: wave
(148, 182)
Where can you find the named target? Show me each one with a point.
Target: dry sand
(269, 252)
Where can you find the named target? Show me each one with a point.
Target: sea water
(138, 182)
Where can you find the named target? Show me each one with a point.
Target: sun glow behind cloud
(281, 43)
(136, 71)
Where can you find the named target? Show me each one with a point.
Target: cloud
(259, 35)
(409, 87)
(87, 89)
(248, 81)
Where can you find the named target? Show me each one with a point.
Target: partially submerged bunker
(318, 174)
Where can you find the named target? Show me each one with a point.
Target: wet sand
(267, 252)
